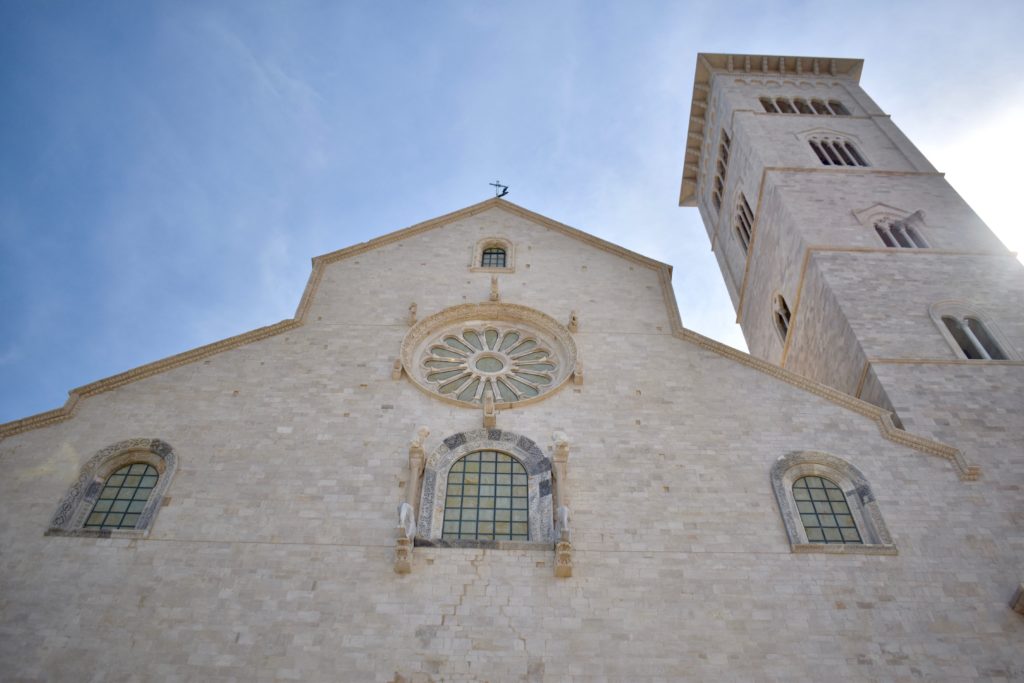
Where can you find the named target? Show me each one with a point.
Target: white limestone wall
(273, 558)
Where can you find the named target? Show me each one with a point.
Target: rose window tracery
(510, 364)
(465, 353)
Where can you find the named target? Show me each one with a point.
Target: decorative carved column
(405, 533)
(560, 470)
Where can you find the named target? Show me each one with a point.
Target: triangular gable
(879, 415)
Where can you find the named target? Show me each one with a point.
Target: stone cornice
(880, 416)
(709, 64)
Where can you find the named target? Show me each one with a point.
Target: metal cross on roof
(499, 189)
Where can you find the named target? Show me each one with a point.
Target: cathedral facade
(487, 448)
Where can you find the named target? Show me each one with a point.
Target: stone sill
(99, 533)
(843, 549)
(491, 269)
(546, 546)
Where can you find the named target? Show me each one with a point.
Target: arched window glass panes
(493, 257)
(487, 499)
(123, 497)
(824, 511)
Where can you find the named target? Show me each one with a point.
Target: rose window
(463, 354)
(510, 364)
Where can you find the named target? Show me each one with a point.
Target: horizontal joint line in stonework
(941, 361)
(233, 541)
(849, 170)
(577, 549)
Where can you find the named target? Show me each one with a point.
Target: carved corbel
(490, 414)
(396, 369)
(560, 469)
(563, 548)
(574, 322)
(412, 313)
(494, 289)
(417, 461)
(404, 535)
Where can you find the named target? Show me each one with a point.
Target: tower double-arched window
(973, 338)
(972, 335)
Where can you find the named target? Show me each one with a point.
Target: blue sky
(167, 169)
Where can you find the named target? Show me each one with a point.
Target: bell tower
(849, 258)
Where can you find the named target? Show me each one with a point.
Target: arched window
(123, 497)
(828, 506)
(487, 499)
(971, 335)
(721, 169)
(824, 511)
(973, 338)
(820, 108)
(493, 254)
(895, 233)
(486, 487)
(744, 222)
(784, 105)
(838, 108)
(782, 316)
(493, 257)
(797, 105)
(118, 491)
(833, 151)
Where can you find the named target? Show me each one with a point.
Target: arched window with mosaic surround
(118, 492)
(828, 506)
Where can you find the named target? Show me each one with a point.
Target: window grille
(123, 497)
(493, 257)
(487, 498)
(824, 511)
